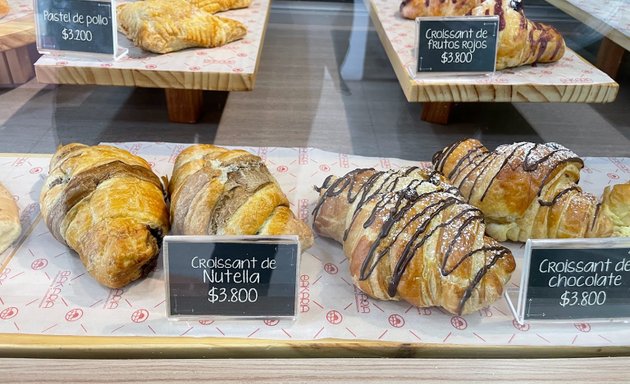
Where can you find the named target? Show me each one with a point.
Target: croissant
(528, 190)
(10, 227)
(163, 26)
(108, 206)
(216, 191)
(521, 41)
(409, 236)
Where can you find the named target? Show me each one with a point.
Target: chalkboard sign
(219, 276)
(84, 26)
(457, 44)
(576, 279)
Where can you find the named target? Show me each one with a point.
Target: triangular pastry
(163, 26)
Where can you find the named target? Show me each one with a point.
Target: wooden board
(572, 79)
(17, 33)
(611, 18)
(232, 67)
(359, 371)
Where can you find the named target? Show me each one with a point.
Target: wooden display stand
(17, 50)
(572, 79)
(616, 40)
(184, 75)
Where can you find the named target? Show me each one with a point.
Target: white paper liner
(45, 290)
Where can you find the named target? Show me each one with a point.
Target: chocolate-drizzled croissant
(529, 190)
(217, 191)
(409, 236)
(107, 205)
(521, 41)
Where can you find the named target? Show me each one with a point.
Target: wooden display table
(184, 75)
(571, 79)
(611, 18)
(17, 39)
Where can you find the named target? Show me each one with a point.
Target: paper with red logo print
(44, 288)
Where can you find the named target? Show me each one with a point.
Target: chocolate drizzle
(558, 196)
(404, 209)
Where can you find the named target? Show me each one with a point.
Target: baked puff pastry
(216, 191)
(214, 6)
(411, 9)
(410, 236)
(108, 206)
(10, 227)
(163, 26)
(528, 190)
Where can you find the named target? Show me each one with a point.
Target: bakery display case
(412, 234)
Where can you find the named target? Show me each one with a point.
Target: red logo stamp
(39, 264)
(583, 327)
(74, 314)
(282, 168)
(271, 323)
(386, 164)
(344, 161)
(36, 170)
(8, 313)
(520, 327)
(485, 312)
(305, 295)
(324, 168)
(396, 321)
(459, 322)
(206, 322)
(140, 316)
(334, 317)
(613, 176)
(331, 268)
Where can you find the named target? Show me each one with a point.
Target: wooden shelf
(17, 45)
(232, 67)
(571, 79)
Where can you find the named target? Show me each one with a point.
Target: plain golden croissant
(163, 26)
(10, 227)
(216, 191)
(409, 236)
(107, 205)
(528, 190)
(521, 41)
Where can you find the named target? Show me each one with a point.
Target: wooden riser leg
(609, 57)
(438, 113)
(184, 105)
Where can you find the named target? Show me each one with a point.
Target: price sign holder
(573, 280)
(456, 45)
(79, 28)
(235, 277)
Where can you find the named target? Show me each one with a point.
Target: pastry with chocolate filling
(408, 235)
(521, 41)
(531, 191)
(217, 191)
(108, 206)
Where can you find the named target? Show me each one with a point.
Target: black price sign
(457, 44)
(250, 276)
(577, 283)
(75, 25)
